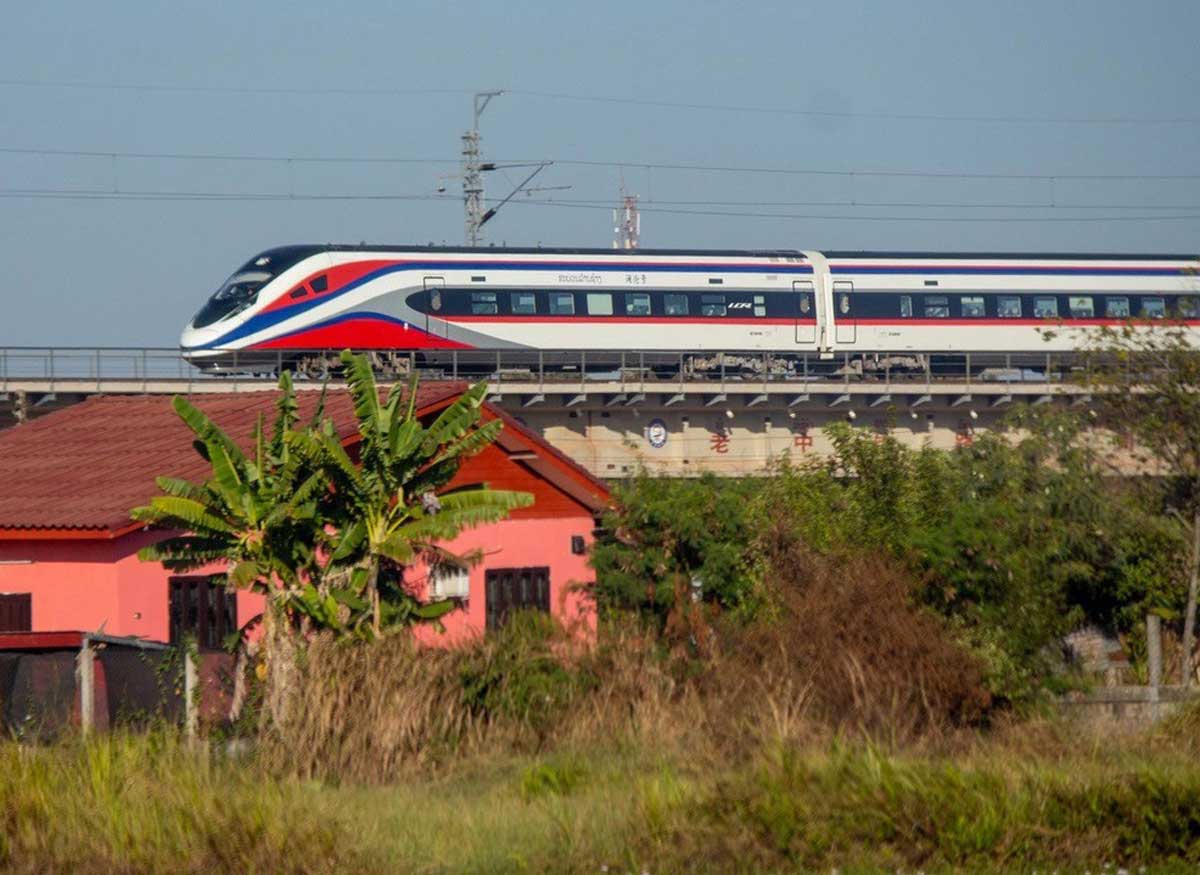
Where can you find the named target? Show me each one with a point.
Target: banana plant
(389, 508)
(257, 513)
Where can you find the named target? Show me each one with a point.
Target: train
(428, 301)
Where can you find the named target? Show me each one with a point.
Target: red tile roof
(78, 471)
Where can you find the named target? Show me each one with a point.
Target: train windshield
(241, 290)
(237, 293)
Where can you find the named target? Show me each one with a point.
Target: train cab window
(937, 307)
(1008, 307)
(1045, 308)
(599, 304)
(484, 304)
(675, 305)
(973, 307)
(1189, 307)
(906, 306)
(760, 305)
(637, 304)
(524, 303)
(562, 304)
(1116, 308)
(805, 304)
(1153, 308)
(712, 305)
(298, 293)
(1081, 306)
(320, 284)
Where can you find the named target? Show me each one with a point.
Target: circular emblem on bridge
(656, 433)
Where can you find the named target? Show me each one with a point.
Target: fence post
(1154, 653)
(85, 679)
(191, 704)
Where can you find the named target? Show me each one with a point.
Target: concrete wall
(1123, 709)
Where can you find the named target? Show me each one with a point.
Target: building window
(937, 307)
(484, 304)
(203, 608)
(712, 305)
(1045, 308)
(599, 304)
(524, 303)
(906, 306)
(16, 612)
(1153, 308)
(562, 304)
(1008, 307)
(675, 305)
(972, 307)
(448, 581)
(511, 589)
(1081, 306)
(1116, 308)
(637, 304)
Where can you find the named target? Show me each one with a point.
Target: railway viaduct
(728, 418)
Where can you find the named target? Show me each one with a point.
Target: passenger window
(712, 305)
(1189, 307)
(937, 307)
(805, 304)
(524, 303)
(637, 304)
(599, 304)
(844, 303)
(1008, 307)
(1045, 308)
(562, 304)
(298, 293)
(1153, 308)
(906, 306)
(972, 307)
(483, 303)
(760, 305)
(320, 284)
(1116, 308)
(675, 305)
(435, 299)
(1081, 306)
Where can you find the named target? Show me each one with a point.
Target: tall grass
(129, 803)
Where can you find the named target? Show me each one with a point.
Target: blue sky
(307, 80)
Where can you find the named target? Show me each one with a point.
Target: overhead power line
(607, 99)
(636, 165)
(225, 197)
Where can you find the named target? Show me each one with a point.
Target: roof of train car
(757, 253)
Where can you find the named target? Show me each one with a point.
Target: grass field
(1022, 801)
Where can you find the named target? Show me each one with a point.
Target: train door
(843, 312)
(434, 289)
(806, 311)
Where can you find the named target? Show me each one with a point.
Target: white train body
(435, 298)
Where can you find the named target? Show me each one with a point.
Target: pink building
(68, 549)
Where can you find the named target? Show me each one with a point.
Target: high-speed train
(424, 298)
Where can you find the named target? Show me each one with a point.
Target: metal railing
(656, 371)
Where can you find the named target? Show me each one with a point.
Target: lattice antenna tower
(472, 171)
(627, 221)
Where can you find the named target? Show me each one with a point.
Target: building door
(511, 589)
(434, 303)
(16, 612)
(843, 312)
(806, 311)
